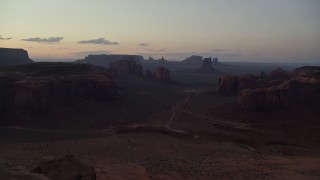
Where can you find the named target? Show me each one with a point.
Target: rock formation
(127, 67)
(105, 60)
(150, 75)
(10, 56)
(151, 60)
(278, 74)
(206, 67)
(215, 62)
(193, 60)
(65, 168)
(40, 85)
(228, 85)
(161, 74)
(278, 90)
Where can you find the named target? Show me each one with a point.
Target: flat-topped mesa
(40, 85)
(105, 60)
(10, 56)
(127, 67)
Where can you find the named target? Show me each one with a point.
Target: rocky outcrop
(228, 85)
(40, 85)
(150, 75)
(105, 60)
(161, 74)
(151, 60)
(127, 67)
(281, 90)
(206, 67)
(193, 60)
(10, 56)
(65, 168)
(232, 85)
(264, 99)
(278, 74)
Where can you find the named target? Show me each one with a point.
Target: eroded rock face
(150, 75)
(278, 74)
(41, 84)
(10, 56)
(228, 85)
(281, 90)
(127, 67)
(263, 99)
(162, 74)
(65, 168)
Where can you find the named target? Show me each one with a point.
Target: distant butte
(9, 56)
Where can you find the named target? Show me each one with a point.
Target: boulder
(65, 168)
(10, 56)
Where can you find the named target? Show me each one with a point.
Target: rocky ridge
(278, 90)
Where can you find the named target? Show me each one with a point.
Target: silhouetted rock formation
(10, 56)
(206, 67)
(162, 60)
(127, 67)
(161, 74)
(151, 60)
(193, 60)
(65, 168)
(150, 75)
(40, 85)
(278, 90)
(228, 85)
(105, 60)
(278, 74)
(215, 62)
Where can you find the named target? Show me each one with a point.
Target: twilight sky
(233, 30)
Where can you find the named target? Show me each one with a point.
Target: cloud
(143, 44)
(49, 40)
(101, 41)
(2, 38)
(82, 54)
(221, 50)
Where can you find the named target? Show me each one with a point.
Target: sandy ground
(158, 156)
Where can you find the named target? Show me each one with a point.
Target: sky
(233, 30)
